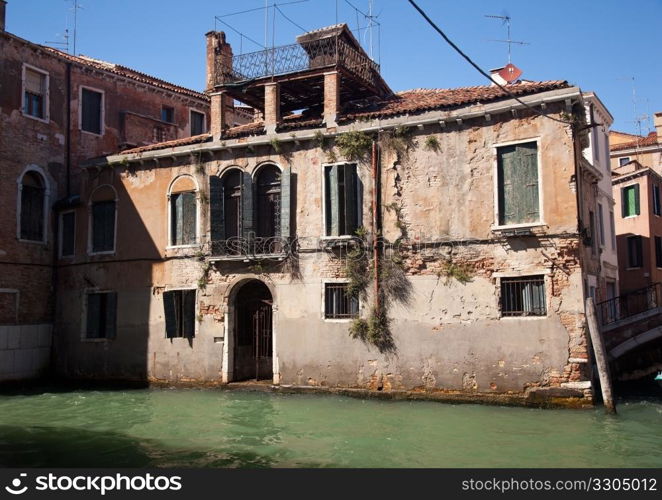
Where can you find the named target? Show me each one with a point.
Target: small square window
(197, 123)
(523, 296)
(101, 315)
(623, 161)
(338, 303)
(167, 114)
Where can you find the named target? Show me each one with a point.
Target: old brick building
(437, 240)
(57, 109)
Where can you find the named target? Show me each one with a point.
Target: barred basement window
(342, 200)
(179, 308)
(101, 315)
(338, 304)
(523, 296)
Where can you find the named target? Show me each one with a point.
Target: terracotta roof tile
(170, 144)
(126, 72)
(419, 100)
(640, 141)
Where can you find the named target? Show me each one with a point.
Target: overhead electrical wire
(478, 68)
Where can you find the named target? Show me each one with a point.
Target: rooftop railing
(310, 55)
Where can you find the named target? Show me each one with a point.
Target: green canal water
(216, 428)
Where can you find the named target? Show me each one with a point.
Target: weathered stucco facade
(431, 191)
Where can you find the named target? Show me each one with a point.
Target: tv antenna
(372, 22)
(65, 44)
(75, 6)
(506, 20)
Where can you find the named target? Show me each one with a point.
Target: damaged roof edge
(429, 117)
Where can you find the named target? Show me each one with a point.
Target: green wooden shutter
(505, 170)
(350, 200)
(247, 209)
(217, 229)
(111, 314)
(188, 313)
(624, 202)
(332, 201)
(285, 202)
(528, 165)
(169, 309)
(636, 199)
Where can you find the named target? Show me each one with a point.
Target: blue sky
(598, 45)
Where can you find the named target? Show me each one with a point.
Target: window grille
(523, 296)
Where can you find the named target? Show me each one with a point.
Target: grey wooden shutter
(217, 229)
(285, 202)
(177, 218)
(247, 209)
(188, 313)
(350, 200)
(189, 218)
(93, 312)
(332, 204)
(111, 314)
(170, 313)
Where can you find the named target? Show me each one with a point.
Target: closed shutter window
(103, 226)
(518, 190)
(179, 310)
(34, 96)
(342, 200)
(91, 107)
(101, 315)
(67, 234)
(183, 218)
(630, 201)
(32, 207)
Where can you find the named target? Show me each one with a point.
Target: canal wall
(24, 351)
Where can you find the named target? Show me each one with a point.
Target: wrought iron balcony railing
(303, 56)
(630, 304)
(238, 248)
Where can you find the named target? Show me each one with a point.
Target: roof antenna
(510, 72)
(64, 44)
(75, 8)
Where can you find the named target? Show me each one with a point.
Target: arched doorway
(253, 332)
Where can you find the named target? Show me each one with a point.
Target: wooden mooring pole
(600, 354)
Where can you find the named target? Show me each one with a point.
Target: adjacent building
(637, 180)
(440, 241)
(56, 110)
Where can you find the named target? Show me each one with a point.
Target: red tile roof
(196, 139)
(126, 72)
(419, 100)
(407, 102)
(639, 142)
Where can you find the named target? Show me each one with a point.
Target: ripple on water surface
(212, 428)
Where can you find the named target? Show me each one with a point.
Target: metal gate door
(262, 340)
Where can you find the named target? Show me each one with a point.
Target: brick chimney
(219, 68)
(658, 124)
(331, 98)
(3, 4)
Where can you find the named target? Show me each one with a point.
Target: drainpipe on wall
(68, 132)
(375, 219)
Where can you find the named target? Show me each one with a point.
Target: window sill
(528, 225)
(527, 318)
(109, 252)
(34, 242)
(94, 341)
(631, 216)
(634, 268)
(46, 119)
(339, 320)
(92, 133)
(177, 247)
